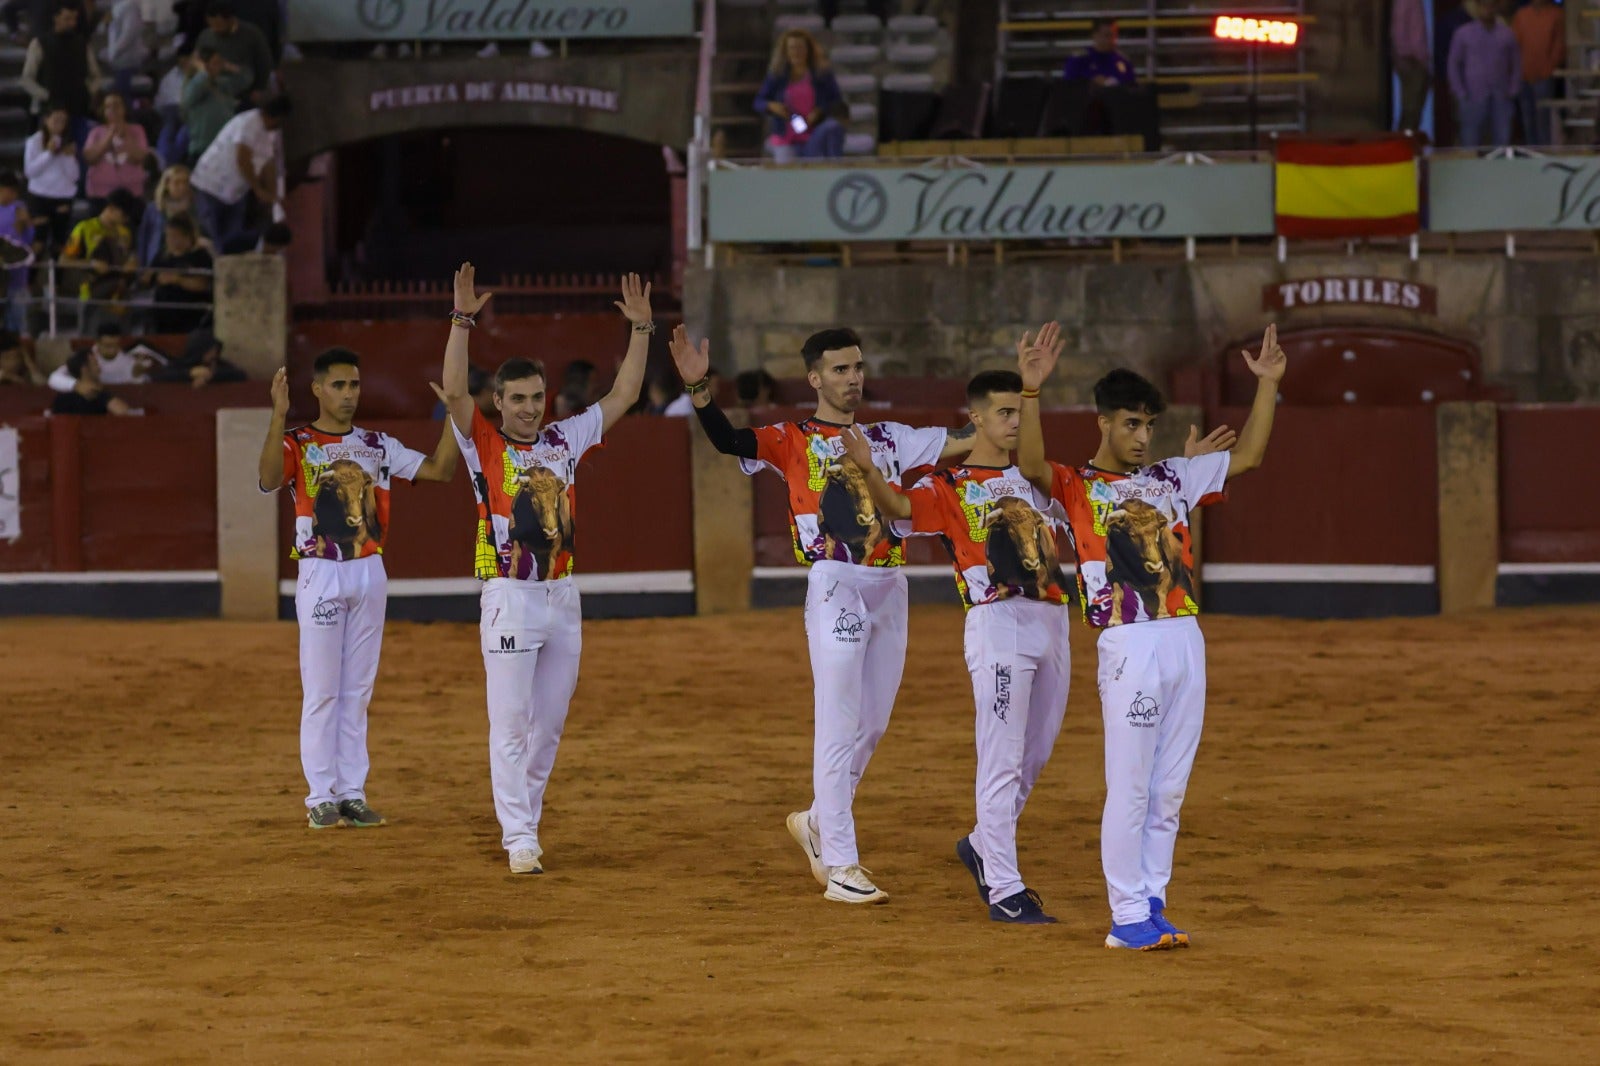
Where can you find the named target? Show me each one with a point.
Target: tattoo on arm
(964, 432)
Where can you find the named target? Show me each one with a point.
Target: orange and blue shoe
(1158, 907)
(1139, 936)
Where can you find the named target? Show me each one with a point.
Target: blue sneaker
(1157, 918)
(974, 863)
(1139, 936)
(1022, 908)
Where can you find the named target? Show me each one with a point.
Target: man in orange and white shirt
(339, 475)
(1003, 546)
(1129, 520)
(524, 475)
(855, 610)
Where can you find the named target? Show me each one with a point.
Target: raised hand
(1271, 363)
(692, 363)
(438, 390)
(1220, 439)
(468, 301)
(856, 446)
(1037, 355)
(280, 392)
(635, 302)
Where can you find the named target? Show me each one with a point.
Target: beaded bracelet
(644, 327)
(461, 318)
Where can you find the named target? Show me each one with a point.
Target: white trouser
(1153, 701)
(856, 629)
(1020, 660)
(532, 637)
(340, 606)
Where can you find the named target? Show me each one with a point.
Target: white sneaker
(805, 834)
(851, 884)
(526, 861)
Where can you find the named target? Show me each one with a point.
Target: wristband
(1030, 394)
(461, 318)
(699, 386)
(644, 327)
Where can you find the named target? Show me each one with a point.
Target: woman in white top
(50, 161)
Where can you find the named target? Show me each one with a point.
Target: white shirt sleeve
(1202, 476)
(61, 379)
(403, 462)
(469, 447)
(583, 431)
(918, 447)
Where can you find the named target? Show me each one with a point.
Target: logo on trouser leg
(326, 612)
(1144, 711)
(848, 627)
(508, 646)
(1002, 691)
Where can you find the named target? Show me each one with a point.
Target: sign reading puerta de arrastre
(481, 20)
(1002, 202)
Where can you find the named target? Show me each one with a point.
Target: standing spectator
(115, 153)
(1408, 46)
(239, 162)
(246, 58)
(174, 196)
(60, 68)
(126, 47)
(178, 281)
(1485, 76)
(1541, 32)
(15, 225)
(87, 396)
(208, 103)
(50, 160)
(799, 94)
(266, 16)
(114, 366)
(1101, 63)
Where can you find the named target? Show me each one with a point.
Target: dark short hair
(109, 329)
(1123, 390)
(123, 201)
(277, 107)
(828, 340)
(339, 356)
(50, 108)
(1096, 25)
(515, 370)
(986, 384)
(749, 384)
(184, 222)
(222, 9)
(9, 180)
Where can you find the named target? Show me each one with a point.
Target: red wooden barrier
(1549, 483)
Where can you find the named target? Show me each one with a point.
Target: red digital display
(1256, 31)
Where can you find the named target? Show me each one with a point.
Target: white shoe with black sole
(805, 834)
(851, 884)
(526, 861)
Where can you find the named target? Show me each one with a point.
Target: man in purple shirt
(1102, 64)
(1485, 75)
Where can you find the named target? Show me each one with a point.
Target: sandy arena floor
(1389, 854)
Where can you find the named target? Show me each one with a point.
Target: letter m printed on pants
(508, 643)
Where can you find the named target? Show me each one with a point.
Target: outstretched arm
(1036, 357)
(271, 472)
(457, 400)
(635, 306)
(890, 501)
(1268, 367)
(694, 363)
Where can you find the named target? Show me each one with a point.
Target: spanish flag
(1346, 186)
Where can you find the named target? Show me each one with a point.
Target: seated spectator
(113, 366)
(755, 388)
(239, 162)
(16, 226)
(208, 104)
(246, 56)
(172, 144)
(579, 388)
(480, 386)
(174, 196)
(50, 160)
(103, 245)
(176, 280)
(799, 94)
(126, 49)
(1101, 64)
(114, 153)
(87, 395)
(60, 68)
(16, 363)
(659, 392)
(202, 363)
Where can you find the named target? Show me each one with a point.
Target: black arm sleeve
(724, 438)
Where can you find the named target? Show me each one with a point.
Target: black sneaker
(324, 816)
(358, 814)
(974, 863)
(1021, 908)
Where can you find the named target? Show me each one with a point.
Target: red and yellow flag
(1346, 186)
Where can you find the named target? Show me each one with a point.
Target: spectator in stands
(1408, 51)
(246, 56)
(202, 363)
(659, 392)
(50, 160)
(114, 153)
(16, 226)
(1485, 77)
(16, 363)
(208, 103)
(60, 68)
(103, 247)
(174, 196)
(480, 386)
(1541, 32)
(172, 144)
(126, 48)
(113, 365)
(799, 95)
(755, 388)
(579, 388)
(241, 161)
(266, 16)
(181, 274)
(1101, 63)
(87, 395)
(191, 15)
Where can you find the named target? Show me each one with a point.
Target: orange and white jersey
(831, 513)
(998, 528)
(340, 487)
(1131, 534)
(527, 495)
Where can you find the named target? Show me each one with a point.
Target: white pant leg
(837, 632)
(555, 678)
(1048, 705)
(322, 610)
(511, 630)
(1130, 695)
(882, 668)
(1183, 657)
(363, 643)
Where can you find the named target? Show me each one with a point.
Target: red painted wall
(1549, 484)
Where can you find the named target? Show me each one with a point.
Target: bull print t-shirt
(1131, 533)
(527, 495)
(831, 513)
(997, 528)
(340, 487)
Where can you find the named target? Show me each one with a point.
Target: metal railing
(513, 294)
(55, 293)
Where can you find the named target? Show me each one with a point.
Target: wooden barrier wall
(1549, 483)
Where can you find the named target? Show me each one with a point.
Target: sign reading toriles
(1373, 292)
(481, 20)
